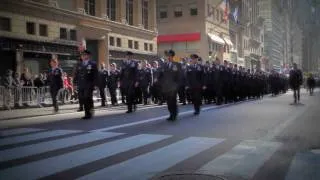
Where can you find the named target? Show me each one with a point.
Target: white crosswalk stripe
(11, 132)
(241, 160)
(156, 161)
(305, 166)
(46, 167)
(35, 136)
(34, 149)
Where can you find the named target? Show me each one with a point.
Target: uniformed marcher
(218, 81)
(170, 84)
(296, 79)
(145, 80)
(129, 81)
(102, 83)
(183, 81)
(196, 82)
(155, 86)
(113, 82)
(55, 82)
(86, 75)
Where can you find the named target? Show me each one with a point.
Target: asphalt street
(256, 139)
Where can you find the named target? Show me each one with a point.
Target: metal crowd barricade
(34, 96)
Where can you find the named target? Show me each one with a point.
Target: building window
(146, 46)
(73, 34)
(136, 45)
(31, 28)
(5, 24)
(119, 42)
(43, 30)
(150, 47)
(145, 12)
(111, 9)
(178, 11)
(193, 9)
(111, 41)
(63, 33)
(163, 12)
(129, 12)
(89, 7)
(130, 44)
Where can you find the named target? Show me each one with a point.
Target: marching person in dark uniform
(170, 84)
(196, 82)
(145, 80)
(55, 82)
(183, 81)
(295, 80)
(155, 86)
(218, 82)
(76, 87)
(113, 82)
(311, 82)
(102, 83)
(86, 75)
(129, 81)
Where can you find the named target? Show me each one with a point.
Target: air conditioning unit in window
(81, 11)
(105, 16)
(54, 3)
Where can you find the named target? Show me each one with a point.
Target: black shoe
(196, 113)
(87, 117)
(103, 105)
(170, 118)
(129, 111)
(80, 110)
(184, 103)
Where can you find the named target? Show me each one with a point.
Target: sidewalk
(44, 111)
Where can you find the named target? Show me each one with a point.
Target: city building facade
(33, 31)
(274, 32)
(193, 26)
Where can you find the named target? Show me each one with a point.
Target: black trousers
(85, 95)
(54, 93)
(182, 94)
(196, 98)
(145, 94)
(123, 92)
(171, 98)
(296, 94)
(113, 94)
(102, 95)
(130, 97)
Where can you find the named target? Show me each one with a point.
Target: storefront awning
(216, 39)
(228, 41)
(179, 37)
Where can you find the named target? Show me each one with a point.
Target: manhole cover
(186, 176)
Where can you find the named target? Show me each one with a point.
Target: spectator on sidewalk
(26, 80)
(17, 90)
(7, 82)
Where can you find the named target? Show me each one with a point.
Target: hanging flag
(235, 15)
(225, 7)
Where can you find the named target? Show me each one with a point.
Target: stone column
(102, 8)
(121, 14)
(152, 15)
(19, 60)
(103, 53)
(80, 6)
(137, 8)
